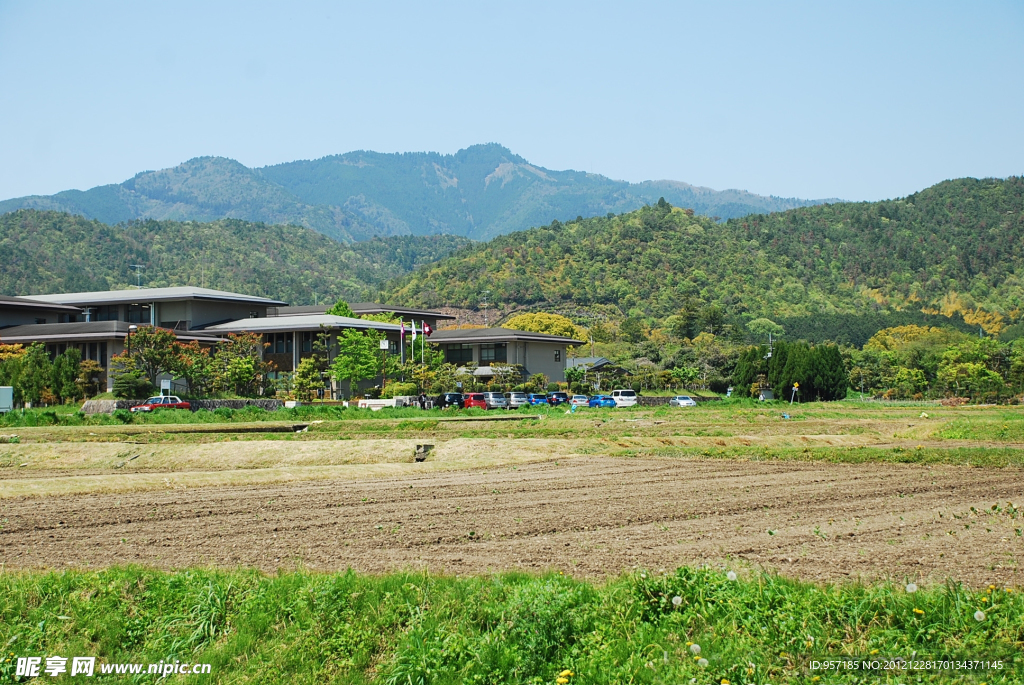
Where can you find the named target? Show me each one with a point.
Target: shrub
(132, 386)
(399, 389)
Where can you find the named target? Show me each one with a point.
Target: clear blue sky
(859, 100)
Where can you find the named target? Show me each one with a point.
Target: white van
(624, 398)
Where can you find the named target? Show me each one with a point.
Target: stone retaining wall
(109, 406)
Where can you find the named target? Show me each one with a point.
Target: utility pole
(138, 274)
(486, 293)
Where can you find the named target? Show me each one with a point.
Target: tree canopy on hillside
(290, 263)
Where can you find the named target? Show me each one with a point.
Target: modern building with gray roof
(18, 311)
(362, 308)
(533, 352)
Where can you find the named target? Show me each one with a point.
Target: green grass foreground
(414, 628)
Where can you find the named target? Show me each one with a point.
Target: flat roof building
(19, 311)
(533, 352)
(177, 308)
(362, 308)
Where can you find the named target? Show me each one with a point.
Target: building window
(459, 353)
(498, 352)
(254, 315)
(40, 320)
(107, 312)
(282, 343)
(558, 355)
(138, 313)
(307, 342)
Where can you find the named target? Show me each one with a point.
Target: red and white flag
(427, 330)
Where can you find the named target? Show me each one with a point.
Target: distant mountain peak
(478, 192)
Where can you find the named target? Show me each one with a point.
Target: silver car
(517, 399)
(682, 401)
(495, 400)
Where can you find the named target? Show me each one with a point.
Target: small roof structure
(9, 302)
(408, 312)
(592, 362)
(132, 296)
(361, 308)
(307, 322)
(82, 331)
(493, 335)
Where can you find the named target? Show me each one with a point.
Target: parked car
(495, 400)
(624, 398)
(604, 401)
(682, 401)
(517, 399)
(450, 399)
(579, 400)
(165, 402)
(536, 398)
(475, 399)
(557, 398)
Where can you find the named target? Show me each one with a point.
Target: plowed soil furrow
(592, 516)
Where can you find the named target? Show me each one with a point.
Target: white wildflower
(677, 600)
(695, 648)
(911, 588)
(731, 575)
(979, 615)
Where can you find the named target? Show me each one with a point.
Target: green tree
(196, 365)
(65, 372)
(828, 373)
(358, 357)
(36, 374)
(552, 324)
(240, 366)
(89, 372)
(307, 380)
(762, 328)
(154, 351)
(632, 329)
(341, 308)
(712, 319)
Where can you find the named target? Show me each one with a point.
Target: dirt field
(589, 515)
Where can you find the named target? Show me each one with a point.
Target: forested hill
(46, 252)
(479, 192)
(956, 248)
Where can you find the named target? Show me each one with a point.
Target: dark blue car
(535, 398)
(602, 401)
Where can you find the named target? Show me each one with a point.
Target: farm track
(591, 516)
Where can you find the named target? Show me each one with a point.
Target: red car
(165, 402)
(475, 399)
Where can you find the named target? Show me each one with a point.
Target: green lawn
(509, 628)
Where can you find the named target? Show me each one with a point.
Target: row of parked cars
(515, 400)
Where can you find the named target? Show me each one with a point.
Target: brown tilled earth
(591, 516)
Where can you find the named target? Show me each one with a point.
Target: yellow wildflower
(918, 611)
(562, 681)
(565, 674)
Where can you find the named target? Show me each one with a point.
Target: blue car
(535, 398)
(605, 401)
